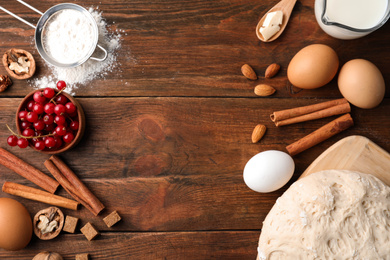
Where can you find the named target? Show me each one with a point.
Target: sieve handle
(19, 18)
(104, 57)
(31, 7)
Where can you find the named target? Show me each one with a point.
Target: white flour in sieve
(68, 36)
(90, 70)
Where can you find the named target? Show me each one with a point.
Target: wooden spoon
(286, 6)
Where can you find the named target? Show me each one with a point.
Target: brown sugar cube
(70, 224)
(112, 219)
(89, 231)
(82, 256)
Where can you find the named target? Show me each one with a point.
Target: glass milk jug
(351, 19)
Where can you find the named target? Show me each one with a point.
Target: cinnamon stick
(327, 112)
(75, 186)
(27, 171)
(64, 182)
(336, 126)
(38, 195)
(300, 111)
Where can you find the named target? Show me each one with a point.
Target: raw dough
(329, 215)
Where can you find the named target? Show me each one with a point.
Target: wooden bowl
(65, 146)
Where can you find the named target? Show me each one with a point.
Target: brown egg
(312, 67)
(361, 83)
(15, 225)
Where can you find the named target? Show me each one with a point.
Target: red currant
(48, 119)
(50, 127)
(22, 115)
(74, 125)
(61, 85)
(50, 142)
(49, 93)
(22, 142)
(38, 108)
(32, 117)
(39, 125)
(70, 108)
(60, 130)
(39, 97)
(30, 105)
(68, 137)
(12, 140)
(59, 109)
(59, 120)
(28, 132)
(37, 133)
(49, 108)
(34, 140)
(39, 145)
(58, 141)
(61, 99)
(73, 115)
(25, 125)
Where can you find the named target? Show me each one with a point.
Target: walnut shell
(48, 256)
(5, 82)
(11, 56)
(51, 214)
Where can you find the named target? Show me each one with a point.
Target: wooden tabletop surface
(169, 131)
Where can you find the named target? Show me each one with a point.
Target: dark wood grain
(169, 132)
(156, 245)
(196, 48)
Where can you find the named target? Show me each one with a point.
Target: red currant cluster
(49, 120)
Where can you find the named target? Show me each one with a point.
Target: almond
(264, 90)
(272, 70)
(248, 72)
(258, 133)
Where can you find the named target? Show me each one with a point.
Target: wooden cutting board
(355, 153)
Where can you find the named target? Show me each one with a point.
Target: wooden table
(169, 133)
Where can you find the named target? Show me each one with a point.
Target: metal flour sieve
(40, 31)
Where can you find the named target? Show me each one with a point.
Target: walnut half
(48, 223)
(20, 64)
(48, 256)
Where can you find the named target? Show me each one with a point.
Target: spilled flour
(91, 69)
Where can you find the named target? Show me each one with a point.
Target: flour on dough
(329, 215)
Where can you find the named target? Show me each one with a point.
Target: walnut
(48, 256)
(20, 64)
(48, 223)
(5, 82)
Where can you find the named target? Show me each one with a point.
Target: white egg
(268, 171)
